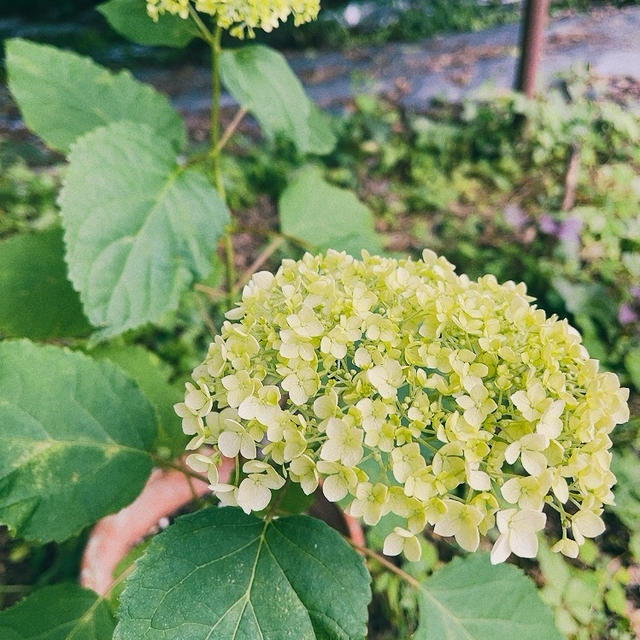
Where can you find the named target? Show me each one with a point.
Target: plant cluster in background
(485, 182)
(27, 198)
(548, 189)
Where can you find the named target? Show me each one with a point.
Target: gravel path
(451, 67)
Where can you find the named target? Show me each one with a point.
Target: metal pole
(531, 44)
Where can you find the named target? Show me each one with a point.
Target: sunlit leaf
(326, 217)
(139, 229)
(62, 96)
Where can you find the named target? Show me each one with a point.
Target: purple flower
(548, 225)
(566, 230)
(635, 292)
(515, 217)
(626, 314)
(569, 230)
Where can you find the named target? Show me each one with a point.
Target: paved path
(451, 66)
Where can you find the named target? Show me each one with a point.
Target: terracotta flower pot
(114, 536)
(165, 493)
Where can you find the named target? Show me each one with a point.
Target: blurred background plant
(487, 183)
(342, 24)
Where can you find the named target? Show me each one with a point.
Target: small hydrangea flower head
(408, 389)
(240, 17)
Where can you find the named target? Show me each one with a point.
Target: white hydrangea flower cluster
(241, 17)
(408, 389)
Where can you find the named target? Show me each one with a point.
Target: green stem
(206, 34)
(216, 50)
(229, 131)
(224, 138)
(215, 294)
(168, 464)
(215, 109)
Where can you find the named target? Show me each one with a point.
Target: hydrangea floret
(405, 388)
(240, 17)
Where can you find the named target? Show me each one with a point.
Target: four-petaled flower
(518, 531)
(462, 522)
(402, 541)
(344, 443)
(370, 503)
(254, 492)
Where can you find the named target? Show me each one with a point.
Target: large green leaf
(326, 217)
(469, 599)
(63, 95)
(130, 19)
(37, 299)
(75, 437)
(222, 575)
(58, 612)
(152, 375)
(138, 227)
(261, 80)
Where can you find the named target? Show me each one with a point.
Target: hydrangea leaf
(138, 228)
(58, 612)
(261, 80)
(38, 301)
(62, 96)
(152, 376)
(325, 216)
(131, 20)
(469, 599)
(241, 578)
(75, 439)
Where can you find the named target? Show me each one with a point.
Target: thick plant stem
(215, 110)
(267, 252)
(215, 157)
(189, 473)
(202, 27)
(230, 130)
